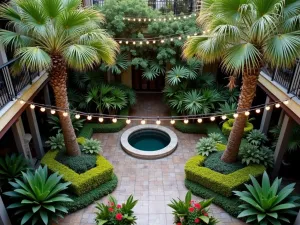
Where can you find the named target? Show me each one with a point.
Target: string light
(114, 120)
(143, 121)
(286, 102)
(161, 19)
(32, 106)
(212, 118)
(22, 102)
(224, 117)
(101, 119)
(77, 116)
(42, 109)
(52, 111)
(277, 105)
(257, 110)
(128, 121)
(89, 117)
(186, 121)
(268, 108)
(65, 114)
(158, 122)
(199, 120)
(247, 113)
(235, 115)
(172, 121)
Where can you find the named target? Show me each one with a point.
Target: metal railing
(10, 85)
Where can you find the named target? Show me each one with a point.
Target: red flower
(119, 216)
(197, 205)
(111, 209)
(112, 204)
(119, 206)
(205, 214)
(191, 209)
(197, 220)
(178, 224)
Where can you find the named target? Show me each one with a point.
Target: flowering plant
(190, 212)
(116, 214)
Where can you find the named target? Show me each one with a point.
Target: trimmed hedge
(89, 128)
(80, 202)
(220, 183)
(84, 182)
(229, 204)
(227, 127)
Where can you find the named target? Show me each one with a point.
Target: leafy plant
(12, 167)
(256, 137)
(218, 138)
(38, 197)
(267, 203)
(91, 146)
(231, 96)
(228, 108)
(205, 146)
(122, 63)
(116, 214)
(253, 154)
(190, 212)
(55, 122)
(56, 142)
(178, 74)
(294, 142)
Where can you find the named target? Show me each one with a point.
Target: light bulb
(128, 121)
(143, 121)
(224, 117)
(141, 42)
(133, 19)
(159, 19)
(190, 15)
(188, 36)
(277, 105)
(145, 20)
(154, 42)
(162, 41)
(257, 110)
(172, 121)
(89, 117)
(170, 18)
(32, 106)
(268, 108)
(77, 116)
(124, 18)
(235, 115)
(22, 102)
(171, 39)
(149, 20)
(212, 118)
(204, 32)
(139, 20)
(120, 42)
(126, 42)
(184, 17)
(154, 19)
(175, 18)
(199, 120)
(43, 109)
(114, 120)
(179, 17)
(208, 30)
(286, 102)
(100, 119)
(179, 38)
(65, 114)
(133, 42)
(128, 19)
(195, 34)
(52, 111)
(247, 113)
(165, 19)
(158, 122)
(147, 42)
(186, 121)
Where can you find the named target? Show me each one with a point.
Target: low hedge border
(80, 202)
(89, 128)
(217, 182)
(229, 204)
(227, 127)
(84, 182)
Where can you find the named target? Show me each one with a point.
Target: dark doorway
(141, 84)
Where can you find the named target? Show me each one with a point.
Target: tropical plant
(56, 142)
(228, 108)
(56, 125)
(231, 96)
(218, 138)
(130, 93)
(205, 146)
(56, 35)
(38, 197)
(91, 146)
(267, 203)
(190, 212)
(122, 63)
(253, 154)
(256, 137)
(179, 73)
(244, 35)
(12, 166)
(116, 214)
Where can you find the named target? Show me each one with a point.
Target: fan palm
(244, 34)
(56, 35)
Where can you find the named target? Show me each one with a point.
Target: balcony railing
(287, 78)
(11, 86)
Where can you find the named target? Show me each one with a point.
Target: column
(35, 132)
(266, 118)
(4, 219)
(87, 2)
(297, 222)
(19, 134)
(282, 113)
(282, 144)
(47, 98)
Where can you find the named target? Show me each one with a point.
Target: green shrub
(81, 140)
(220, 183)
(206, 146)
(214, 162)
(56, 142)
(38, 197)
(256, 137)
(252, 154)
(227, 127)
(92, 146)
(268, 203)
(217, 137)
(54, 121)
(79, 164)
(81, 183)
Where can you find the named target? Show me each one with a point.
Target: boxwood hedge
(227, 127)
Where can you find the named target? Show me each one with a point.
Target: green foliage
(56, 142)
(190, 212)
(179, 73)
(268, 203)
(217, 182)
(228, 109)
(214, 162)
(81, 183)
(227, 127)
(79, 164)
(12, 166)
(38, 197)
(116, 214)
(92, 146)
(217, 137)
(252, 154)
(256, 137)
(81, 140)
(231, 96)
(55, 123)
(206, 146)
(130, 93)
(122, 63)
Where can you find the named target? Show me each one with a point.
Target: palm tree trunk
(245, 101)
(58, 81)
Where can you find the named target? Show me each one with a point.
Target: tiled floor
(153, 182)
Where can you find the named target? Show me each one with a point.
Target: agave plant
(267, 203)
(256, 137)
(206, 146)
(38, 197)
(12, 167)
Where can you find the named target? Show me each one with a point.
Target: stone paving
(153, 182)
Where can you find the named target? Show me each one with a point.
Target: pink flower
(204, 213)
(119, 216)
(110, 209)
(192, 202)
(197, 220)
(191, 209)
(119, 206)
(197, 205)
(112, 204)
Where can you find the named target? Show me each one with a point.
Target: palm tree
(56, 35)
(243, 35)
